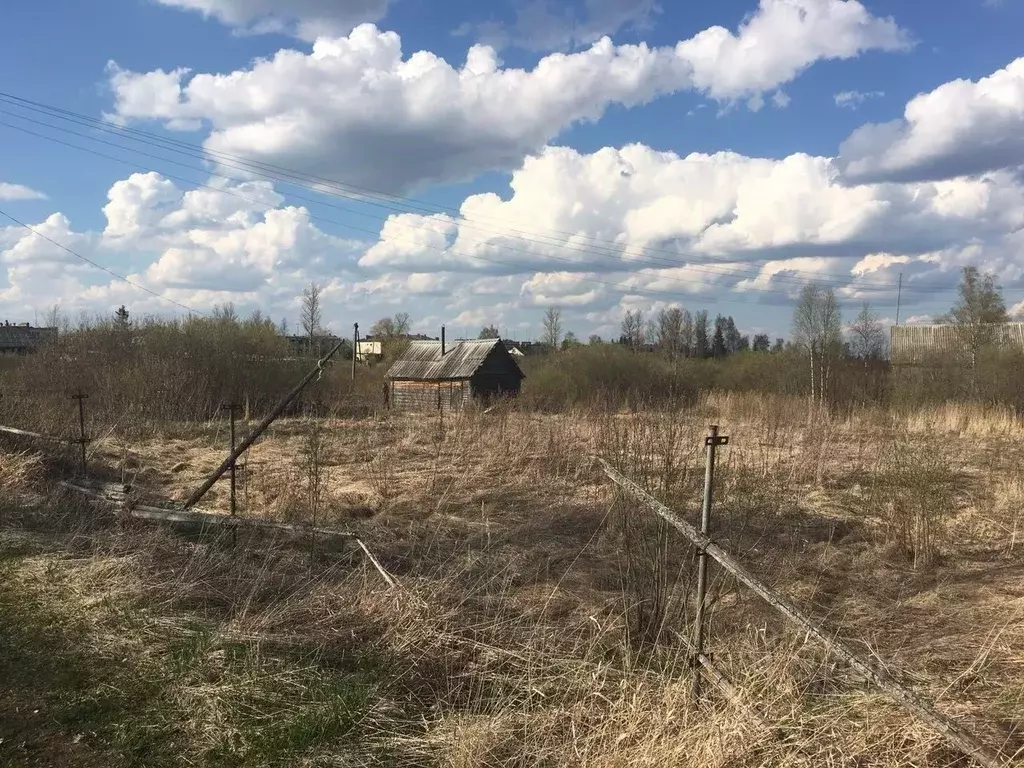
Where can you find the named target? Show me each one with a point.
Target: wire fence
(702, 661)
(116, 495)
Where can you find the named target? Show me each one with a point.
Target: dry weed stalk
(912, 490)
(518, 641)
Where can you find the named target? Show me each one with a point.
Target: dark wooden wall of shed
(498, 375)
(429, 395)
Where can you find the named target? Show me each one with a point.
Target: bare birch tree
(551, 325)
(978, 312)
(817, 328)
(670, 331)
(312, 315)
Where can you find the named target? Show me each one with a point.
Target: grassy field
(538, 618)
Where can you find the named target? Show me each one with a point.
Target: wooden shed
(430, 376)
(23, 339)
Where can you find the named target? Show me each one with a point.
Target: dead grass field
(539, 619)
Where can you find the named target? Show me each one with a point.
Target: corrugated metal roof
(423, 360)
(24, 337)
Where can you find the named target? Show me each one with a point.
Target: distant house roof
(423, 361)
(21, 337)
(399, 337)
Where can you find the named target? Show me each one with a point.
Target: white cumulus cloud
(635, 208)
(358, 110)
(10, 191)
(962, 127)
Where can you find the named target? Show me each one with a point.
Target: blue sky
(597, 155)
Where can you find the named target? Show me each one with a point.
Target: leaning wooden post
(873, 671)
(242, 447)
(711, 442)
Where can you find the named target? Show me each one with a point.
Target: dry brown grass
(541, 621)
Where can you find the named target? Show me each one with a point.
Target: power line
(390, 202)
(625, 288)
(740, 273)
(87, 260)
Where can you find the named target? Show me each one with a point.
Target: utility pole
(355, 349)
(899, 295)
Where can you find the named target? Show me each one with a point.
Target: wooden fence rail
(36, 435)
(911, 701)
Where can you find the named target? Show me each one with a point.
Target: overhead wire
(318, 183)
(738, 271)
(96, 264)
(623, 287)
(390, 203)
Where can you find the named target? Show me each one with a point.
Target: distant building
(910, 344)
(371, 348)
(22, 339)
(431, 376)
(369, 351)
(525, 348)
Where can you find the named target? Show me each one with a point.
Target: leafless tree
(701, 338)
(388, 328)
(225, 313)
(686, 335)
(633, 328)
(383, 328)
(867, 336)
(817, 328)
(670, 330)
(312, 314)
(55, 317)
(552, 327)
(977, 312)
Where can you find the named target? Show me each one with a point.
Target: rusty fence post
(711, 443)
(82, 439)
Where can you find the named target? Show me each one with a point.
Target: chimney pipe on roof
(442, 341)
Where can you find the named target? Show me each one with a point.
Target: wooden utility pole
(207, 484)
(899, 296)
(355, 349)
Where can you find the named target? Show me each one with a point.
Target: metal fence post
(711, 442)
(82, 439)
